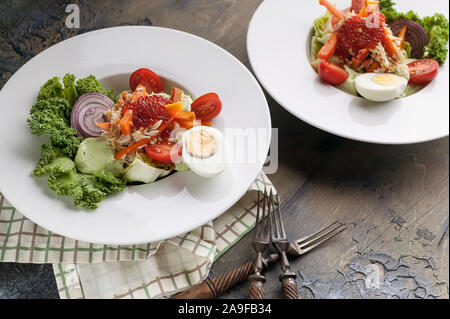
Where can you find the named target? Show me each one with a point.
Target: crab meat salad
(371, 50)
(100, 143)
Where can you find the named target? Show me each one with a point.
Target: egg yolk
(387, 80)
(200, 144)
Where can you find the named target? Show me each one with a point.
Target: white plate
(278, 40)
(145, 213)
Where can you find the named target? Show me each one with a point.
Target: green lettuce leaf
(86, 190)
(407, 48)
(322, 27)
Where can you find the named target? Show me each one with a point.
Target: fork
(303, 245)
(281, 243)
(213, 288)
(260, 242)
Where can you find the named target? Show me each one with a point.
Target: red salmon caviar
(357, 34)
(148, 110)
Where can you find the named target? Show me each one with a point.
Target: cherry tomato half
(164, 153)
(423, 71)
(207, 107)
(332, 73)
(147, 78)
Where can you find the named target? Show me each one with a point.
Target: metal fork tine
(266, 216)
(260, 243)
(255, 231)
(316, 234)
(283, 231)
(261, 228)
(313, 244)
(274, 221)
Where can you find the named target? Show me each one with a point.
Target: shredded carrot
(327, 51)
(357, 5)
(362, 55)
(176, 95)
(162, 128)
(191, 124)
(126, 124)
(389, 45)
(367, 63)
(143, 142)
(370, 7)
(402, 35)
(174, 108)
(132, 148)
(140, 91)
(375, 65)
(336, 12)
(122, 100)
(185, 116)
(106, 126)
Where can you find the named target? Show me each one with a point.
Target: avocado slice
(94, 155)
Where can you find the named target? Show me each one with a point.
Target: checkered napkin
(153, 270)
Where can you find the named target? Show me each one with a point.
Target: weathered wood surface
(396, 197)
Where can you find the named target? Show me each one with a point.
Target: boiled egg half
(204, 151)
(380, 87)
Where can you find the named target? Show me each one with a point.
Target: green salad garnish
(436, 26)
(50, 116)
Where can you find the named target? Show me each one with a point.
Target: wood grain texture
(396, 197)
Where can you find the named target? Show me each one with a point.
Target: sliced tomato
(332, 73)
(423, 71)
(147, 78)
(207, 107)
(164, 153)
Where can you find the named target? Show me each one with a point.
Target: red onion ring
(415, 35)
(87, 111)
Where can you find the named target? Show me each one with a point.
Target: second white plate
(278, 41)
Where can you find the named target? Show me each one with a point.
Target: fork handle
(256, 288)
(289, 286)
(213, 288)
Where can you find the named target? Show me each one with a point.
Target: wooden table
(396, 197)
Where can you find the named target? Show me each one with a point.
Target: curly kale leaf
(87, 190)
(51, 88)
(91, 84)
(52, 117)
(70, 91)
(437, 28)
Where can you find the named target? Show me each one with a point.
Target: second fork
(281, 243)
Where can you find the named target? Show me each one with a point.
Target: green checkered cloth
(153, 270)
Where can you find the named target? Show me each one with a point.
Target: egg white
(369, 89)
(213, 165)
